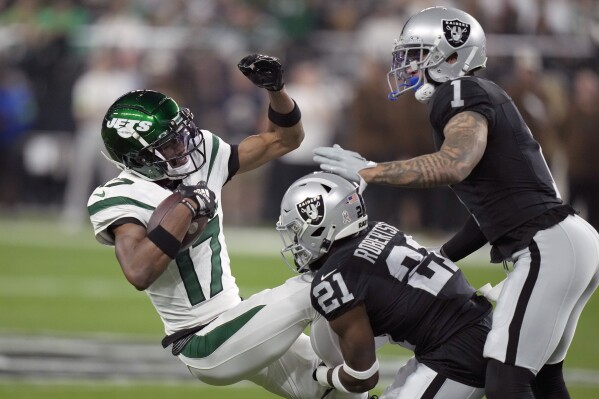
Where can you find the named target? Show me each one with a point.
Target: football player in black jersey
(371, 279)
(489, 157)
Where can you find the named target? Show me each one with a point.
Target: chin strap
(425, 93)
(466, 66)
(328, 241)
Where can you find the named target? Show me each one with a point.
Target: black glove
(203, 197)
(263, 70)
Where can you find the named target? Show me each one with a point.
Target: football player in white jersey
(220, 337)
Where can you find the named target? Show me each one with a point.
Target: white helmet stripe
(141, 140)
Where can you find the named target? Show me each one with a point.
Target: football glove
(344, 163)
(202, 196)
(263, 70)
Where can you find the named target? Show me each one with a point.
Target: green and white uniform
(259, 339)
(188, 293)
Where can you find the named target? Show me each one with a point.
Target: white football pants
(413, 380)
(269, 349)
(542, 298)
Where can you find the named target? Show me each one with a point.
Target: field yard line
(45, 358)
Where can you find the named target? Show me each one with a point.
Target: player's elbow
(363, 385)
(456, 169)
(465, 171)
(294, 139)
(140, 283)
(457, 176)
(140, 279)
(289, 137)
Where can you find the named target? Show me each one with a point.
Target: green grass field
(58, 284)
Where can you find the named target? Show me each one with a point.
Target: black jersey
(416, 297)
(512, 183)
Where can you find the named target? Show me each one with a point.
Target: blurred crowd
(63, 62)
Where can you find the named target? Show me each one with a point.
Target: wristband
(165, 241)
(186, 202)
(320, 375)
(337, 382)
(285, 120)
(362, 375)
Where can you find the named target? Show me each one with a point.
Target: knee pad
(508, 382)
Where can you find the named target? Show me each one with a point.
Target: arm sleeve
(233, 162)
(467, 240)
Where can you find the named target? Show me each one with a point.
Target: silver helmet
(317, 210)
(427, 41)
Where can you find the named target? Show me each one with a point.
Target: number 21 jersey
(417, 297)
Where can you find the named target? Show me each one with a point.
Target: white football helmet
(317, 210)
(426, 41)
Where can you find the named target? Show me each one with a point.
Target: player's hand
(263, 70)
(345, 163)
(202, 196)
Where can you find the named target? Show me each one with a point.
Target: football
(198, 224)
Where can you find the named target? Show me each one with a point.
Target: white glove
(344, 163)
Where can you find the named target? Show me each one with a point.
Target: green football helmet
(146, 133)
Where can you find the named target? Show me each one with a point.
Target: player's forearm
(285, 119)
(142, 260)
(176, 223)
(429, 170)
(280, 101)
(464, 145)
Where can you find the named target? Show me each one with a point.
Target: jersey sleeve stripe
(115, 201)
(119, 182)
(214, 152)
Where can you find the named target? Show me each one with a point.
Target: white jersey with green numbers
(197, 285)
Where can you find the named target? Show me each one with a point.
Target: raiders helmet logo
(456, 32)
(312, 210)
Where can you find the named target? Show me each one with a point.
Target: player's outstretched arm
(464, 145)
(285, 131)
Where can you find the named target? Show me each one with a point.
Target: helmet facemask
(170, 157)
(317, 210)
(407, 68)
(451, 44)
(294, 254)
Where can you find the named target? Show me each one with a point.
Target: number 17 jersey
(417, 297)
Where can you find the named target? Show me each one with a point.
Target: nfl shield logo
(456, 32)
(311, 210)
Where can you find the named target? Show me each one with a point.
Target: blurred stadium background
(70, 326)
